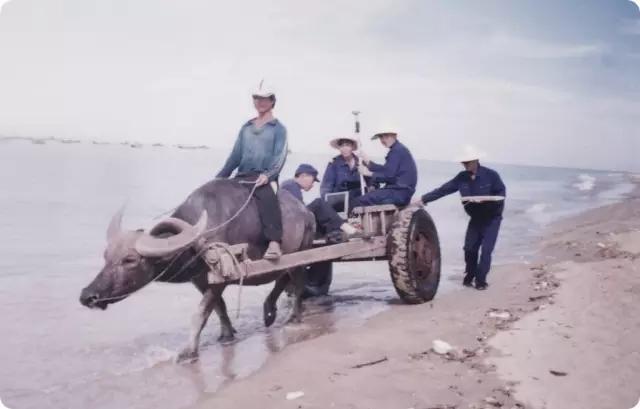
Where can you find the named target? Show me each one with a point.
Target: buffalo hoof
(187, 356)
(226, 338)
(269, 314)
(294, 319)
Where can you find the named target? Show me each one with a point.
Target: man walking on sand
(259, 155)
(483, 194)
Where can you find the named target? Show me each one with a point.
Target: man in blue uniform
(259, 155)
(398, 174)
(327, 220)
(342, 173)
(486, 213)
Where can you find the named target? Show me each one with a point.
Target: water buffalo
(169, 253)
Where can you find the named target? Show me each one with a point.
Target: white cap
(264, 90)
(470, 153)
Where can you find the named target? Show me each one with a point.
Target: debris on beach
(501, 315)
(557, 373)
(295, 395)
(440, 347)
(492, 401)
(539, 297)
(571, 244)
(464, 355)
(370, 363)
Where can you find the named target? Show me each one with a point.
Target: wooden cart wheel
(413, 249)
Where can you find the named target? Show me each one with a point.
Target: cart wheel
(414, 256)
(318, 279)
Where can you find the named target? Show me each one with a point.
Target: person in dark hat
(327, 219)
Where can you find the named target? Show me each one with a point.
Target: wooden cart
(406, 238)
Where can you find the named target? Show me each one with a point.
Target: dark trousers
(268, 208)
(398, 197)
(327, 219)
(481, 237)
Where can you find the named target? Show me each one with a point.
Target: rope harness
(220, 256)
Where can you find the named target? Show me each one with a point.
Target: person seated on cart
(342, 173)
(328, 221)
(398, 174)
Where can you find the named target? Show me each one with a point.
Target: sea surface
(56, 201)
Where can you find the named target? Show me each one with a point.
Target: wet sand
(557, 333)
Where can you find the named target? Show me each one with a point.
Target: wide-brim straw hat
(334, 142)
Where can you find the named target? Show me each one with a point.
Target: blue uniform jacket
(292, 186)
(486, 183)
(399, 170)
(263, 151)
(339, 177)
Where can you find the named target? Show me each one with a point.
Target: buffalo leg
(211, 300)
(198, 321)
(298, 277)
(269, 306)
(226, 329)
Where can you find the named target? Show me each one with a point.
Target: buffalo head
(134, 258)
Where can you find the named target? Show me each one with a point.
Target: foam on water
(586, 182)
(155, 354)
(537, 208)
(539, 213)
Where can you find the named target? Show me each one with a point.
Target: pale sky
(543, 82)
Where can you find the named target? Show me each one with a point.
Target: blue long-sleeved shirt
(399, 170)
(339, 177)
(486, 183)
(261, 150)
(293, 187)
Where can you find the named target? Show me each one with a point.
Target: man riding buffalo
(258, 155)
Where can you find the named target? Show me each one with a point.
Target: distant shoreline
(134, 144)
(69, 141)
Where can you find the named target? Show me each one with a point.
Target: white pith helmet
(264, 90)
(386, 128)
(469, 153)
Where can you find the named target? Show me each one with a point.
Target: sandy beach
(559, 332)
